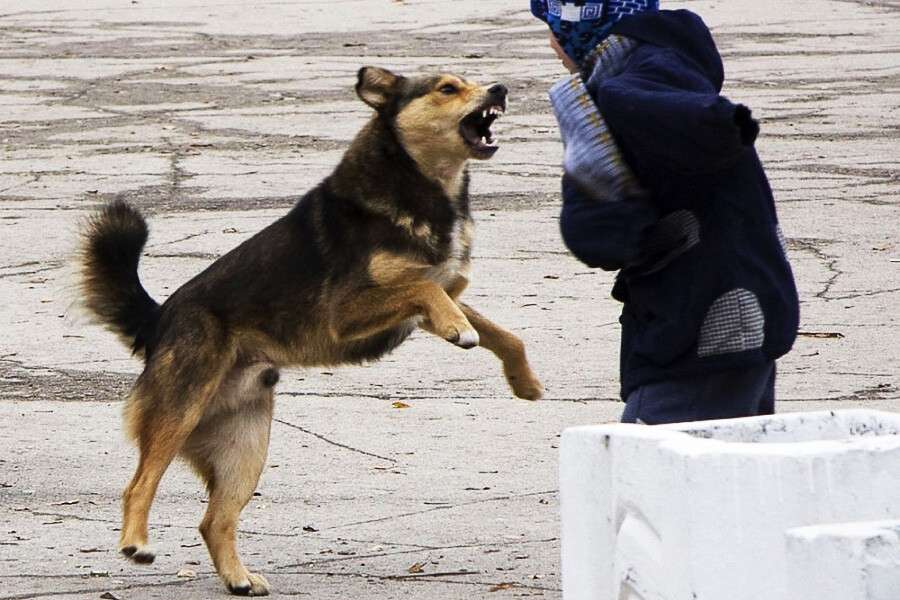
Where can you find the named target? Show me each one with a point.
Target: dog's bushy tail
(111, 245)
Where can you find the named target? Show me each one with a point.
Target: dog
(380, 247)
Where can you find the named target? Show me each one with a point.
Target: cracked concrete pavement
(214, 116)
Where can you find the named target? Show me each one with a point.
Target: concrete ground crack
(829, 261)
(184, 238)
(334, 443)
(98, 590)
(327, 561)
(32, 272)
(34, 179)
(480, 583)
(442, 507)
(865, 294)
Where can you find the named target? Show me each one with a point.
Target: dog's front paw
(251, 585)
(524, 383)
(460, 334)
(468, 338)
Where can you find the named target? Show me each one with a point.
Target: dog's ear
(376, 86)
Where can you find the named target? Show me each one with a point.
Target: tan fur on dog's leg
(229, 451)
(457, 287)
(380, 309)
(166, 405)
(161, 439)
(511, 351)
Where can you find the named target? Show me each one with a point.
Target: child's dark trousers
(744, 392)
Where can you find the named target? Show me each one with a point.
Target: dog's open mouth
(475, 129)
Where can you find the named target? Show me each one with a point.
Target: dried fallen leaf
(109, 596)
(65, 503)
(416, 568)
(821, 334)
(506, 585)
(99, 573)
(400, 405)
(89, 550)
(309, 528)
(186, 573)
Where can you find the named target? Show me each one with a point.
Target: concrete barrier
(847, 561)
(701, 511)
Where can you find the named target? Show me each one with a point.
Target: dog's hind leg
(510, 350)
(228, 450)
(166, 405)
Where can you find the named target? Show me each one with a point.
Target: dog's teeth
(484, 114)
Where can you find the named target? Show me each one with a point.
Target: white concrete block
(699, 511)
(847, 561)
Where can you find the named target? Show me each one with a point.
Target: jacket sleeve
(672, 121)
(603, 233)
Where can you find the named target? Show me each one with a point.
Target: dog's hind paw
(141, 555)
(253, 585)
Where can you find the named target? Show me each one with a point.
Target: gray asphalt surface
(215, 116)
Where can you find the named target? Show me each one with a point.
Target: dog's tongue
(480, 137)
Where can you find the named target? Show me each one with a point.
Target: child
(662, 184)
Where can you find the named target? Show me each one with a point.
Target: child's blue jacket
(703, 273)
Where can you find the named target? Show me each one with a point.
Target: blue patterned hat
(580, 26)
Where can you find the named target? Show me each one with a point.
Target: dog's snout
(499, 90)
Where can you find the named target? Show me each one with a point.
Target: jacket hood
(681, 31)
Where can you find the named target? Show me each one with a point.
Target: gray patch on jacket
(734, 323)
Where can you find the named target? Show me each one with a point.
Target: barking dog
(379, 248)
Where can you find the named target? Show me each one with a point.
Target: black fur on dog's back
(112, 242)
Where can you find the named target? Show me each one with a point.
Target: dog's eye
(448, 89)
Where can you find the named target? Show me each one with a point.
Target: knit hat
(580, 25)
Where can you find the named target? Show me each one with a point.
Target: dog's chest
(458, 254)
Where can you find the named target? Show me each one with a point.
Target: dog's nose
(499, 90)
